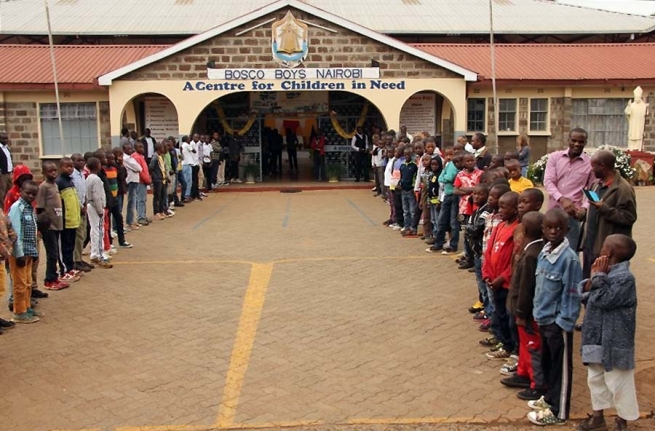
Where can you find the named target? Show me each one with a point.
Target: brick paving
(360, 328)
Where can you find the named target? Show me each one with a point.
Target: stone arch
(153, 110)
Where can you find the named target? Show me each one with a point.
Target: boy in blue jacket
(556, 308)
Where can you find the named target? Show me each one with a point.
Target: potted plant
(333, 171)
(251, 171)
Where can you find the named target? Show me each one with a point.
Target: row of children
(79, 204)
(529, 278)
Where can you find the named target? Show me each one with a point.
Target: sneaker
(448, 250)
(429, 241)
(480, 316)
(509, 369)
(397, 228)
(593, 423)
(476, 307)
(36, 293)
(238, 181)
(69, 278)
(125, 245)
(179, 205)
(465, 265)
(514, 357)
(104, 263)
(24, 318)
(498, 354)
(106, 256)
(529, 394)
(144, 222)
(6, 324)
(392, 225)
(516, 381)
(544, 418)
(169, 214)
(434, 249)
(485, 326)
(489, 342)
(539, 404)
(35, 313)
(134, 226)
(203, 195)
(55, 285)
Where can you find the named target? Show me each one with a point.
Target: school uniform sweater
(523, 282)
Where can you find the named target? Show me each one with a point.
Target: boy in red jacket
(497, 270)
(144, 182)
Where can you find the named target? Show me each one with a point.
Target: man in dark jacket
(615, 212)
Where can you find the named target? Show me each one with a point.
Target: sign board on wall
(419, 114)
(289, 101)
(306, 73)
(161, 117)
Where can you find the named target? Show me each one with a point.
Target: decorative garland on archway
(226, 126)
(339, 129)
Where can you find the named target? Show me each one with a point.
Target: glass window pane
(80, 128)
(603, 119)
(475, 115)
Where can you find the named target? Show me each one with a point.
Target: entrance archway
(152, 111)
(429, 111)
(254, 114)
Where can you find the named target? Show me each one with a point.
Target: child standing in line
(96, 199)
(48, 200)
(433, 193)
(23, 221)
(497, 270)
(608, 334)
(109, 202)
(422, 193)
(71, 213)
(390, 184)
(122, 185)
(115, 214)
(81, 232)
(556, 308)
(395, 183)
(408, 172)
(142, 189)
(465, 181)
(519, 306)
(517, 182)
(158, 175)
(474, 234)
(490, 223)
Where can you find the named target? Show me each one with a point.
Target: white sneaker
(373, 189)
(396, 227)
(113, 233)
(539, 404)
(393, 225)
(106, 256)
(509, 369)
(238, 181)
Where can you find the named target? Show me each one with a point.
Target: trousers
(22, 284)
(530, 355)
(141, 198)
(557, 365)
(96, 223)
(80, 236)
(51, 245)
(131, 202)
(613, 389)
(448, 219)
(67, 248)
(409, 209)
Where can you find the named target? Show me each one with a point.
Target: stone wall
(649, 127)
(344, 48)
(561, 110)
(21, 123)
(105, 125)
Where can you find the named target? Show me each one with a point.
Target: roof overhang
(108, 78)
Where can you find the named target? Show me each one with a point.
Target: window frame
(546, 131)
(484, 116)
(514, 130)
(42, 154)
(618, 117)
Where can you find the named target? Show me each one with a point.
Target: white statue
(636, 112)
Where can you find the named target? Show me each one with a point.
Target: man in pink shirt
(568, 172)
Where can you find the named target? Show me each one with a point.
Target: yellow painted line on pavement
(253, 303)
(344, 258)
(166, 428)
(279, 424)
(175, 262)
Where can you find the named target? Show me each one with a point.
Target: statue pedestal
(643, 164)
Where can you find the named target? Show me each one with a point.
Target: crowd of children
(78, 206)
(528, 277)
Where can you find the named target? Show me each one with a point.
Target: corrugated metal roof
(30, 64)
(161, 17)
(553, 62)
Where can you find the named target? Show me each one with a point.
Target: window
(476, 114)
(80, 124)
(507, 115)
(538, 115)
(603, 119)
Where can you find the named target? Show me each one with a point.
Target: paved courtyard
(269, 310)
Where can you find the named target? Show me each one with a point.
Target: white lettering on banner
(161, 117)
(419, 114)
(293, 85)
(286, 74)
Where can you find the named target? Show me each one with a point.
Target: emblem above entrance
(289, 41)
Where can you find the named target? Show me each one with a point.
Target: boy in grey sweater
(608, 334)
(95, 209)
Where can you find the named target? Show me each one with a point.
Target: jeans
(448, 218)
(409, 209)
(158, 197)
(186, 184)
(319, 166)
(195, 190)
(502, 318)
(51, 244)
(141, 197)
(574, 234)
(119, 204)
(434, 217)
(524, 171)
(117, 219)
(131, 202)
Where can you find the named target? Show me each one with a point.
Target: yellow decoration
(339, 129)
(226, 125)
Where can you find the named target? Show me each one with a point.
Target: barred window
(80, 124)
(538, 115)
(603, 119)
(507, 115)
(475, 115)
